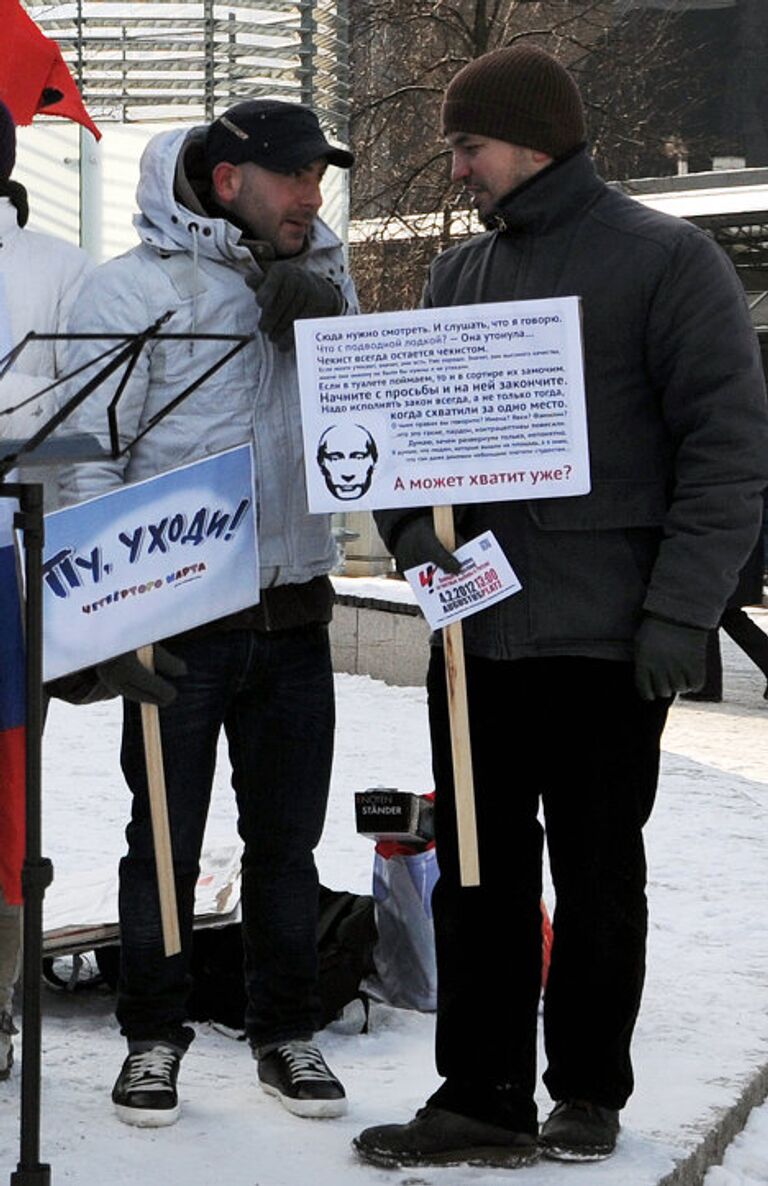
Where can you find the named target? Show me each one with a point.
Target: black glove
(289, 292)
(669, 658)
(127, 676)
(416, 543)
(82, 687)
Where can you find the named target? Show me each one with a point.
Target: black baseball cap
(278, 136)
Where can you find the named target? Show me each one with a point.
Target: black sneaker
(576, 1130)
(299, 1076)
(145, 1091)
(437, 1137)
(7, 1030)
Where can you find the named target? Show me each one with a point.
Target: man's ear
(226, 180)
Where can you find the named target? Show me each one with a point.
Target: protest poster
(149, 560)
(449, 405)
(486, 577)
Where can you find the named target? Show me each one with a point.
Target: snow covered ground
(746, 1160)
(702, 1034)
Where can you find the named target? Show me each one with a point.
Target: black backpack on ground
(346, 936)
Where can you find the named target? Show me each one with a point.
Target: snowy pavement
(702, 1036)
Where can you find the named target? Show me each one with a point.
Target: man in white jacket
(231, 242)
(40, 277)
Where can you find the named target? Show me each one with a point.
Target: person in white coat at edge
(40, 277)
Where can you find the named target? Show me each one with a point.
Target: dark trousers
(572, 735)
(273, 696)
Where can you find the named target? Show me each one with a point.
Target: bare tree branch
(640, 75)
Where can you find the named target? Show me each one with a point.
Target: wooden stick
(158, 804)
(461, 748)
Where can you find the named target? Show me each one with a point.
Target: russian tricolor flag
(12, 713)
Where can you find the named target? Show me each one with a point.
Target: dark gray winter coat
(677, 414)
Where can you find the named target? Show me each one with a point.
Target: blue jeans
(273, 695)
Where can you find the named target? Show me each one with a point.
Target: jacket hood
(172, 196)
(165, 224)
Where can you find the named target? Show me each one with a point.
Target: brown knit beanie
(520, 94)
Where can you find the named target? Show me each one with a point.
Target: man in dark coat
(570, 680)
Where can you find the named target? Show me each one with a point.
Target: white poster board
(434, 406)
(149, 560)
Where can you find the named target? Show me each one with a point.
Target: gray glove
(289, 292)
(416, 543)
(669, 658)
(127, 676)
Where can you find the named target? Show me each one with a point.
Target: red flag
(34, 77)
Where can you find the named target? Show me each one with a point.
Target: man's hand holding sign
(438, 407)
(142, 563)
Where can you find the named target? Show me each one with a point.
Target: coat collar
(9, 227)
(14, 198)
(548, 198)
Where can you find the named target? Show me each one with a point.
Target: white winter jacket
(195, 266)
(40, 276)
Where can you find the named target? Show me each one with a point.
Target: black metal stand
(37, 871)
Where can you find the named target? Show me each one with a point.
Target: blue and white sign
(149, 560)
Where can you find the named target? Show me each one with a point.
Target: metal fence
(155, 60)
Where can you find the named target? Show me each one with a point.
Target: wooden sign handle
(461, 748)
(158, 805)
